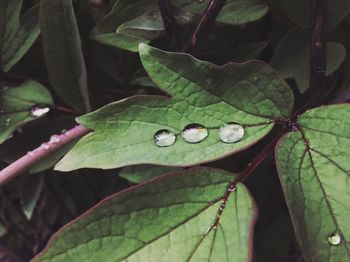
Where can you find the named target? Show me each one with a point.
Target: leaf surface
(17, 33)
(164, 220)
(63, 53)
(16, 104)
(314, 168)
(251, 94)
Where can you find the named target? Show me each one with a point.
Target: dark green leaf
(250, 94)
(292, 57)
(31, 187)
(17, 103)
(314, 168)
(138, 224)
(63, 54)
(17, 34)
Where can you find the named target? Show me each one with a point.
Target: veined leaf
(292, 57)
(166, 219)
(63, 53)
(314, 168)
(251, 94)
(17, 34)
(16, 104)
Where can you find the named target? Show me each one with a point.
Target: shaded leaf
(299, 11)
(63, 54)
(250, 94)
(292, 57)
(17, 34)
(30, 189)
(16, 105)
(141, 173)
(314, 168)
(152, 221)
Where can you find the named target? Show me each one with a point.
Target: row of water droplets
(195, 133)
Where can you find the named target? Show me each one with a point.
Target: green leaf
(314, 168)
(3, 230)
(141, 173)
(127, 42)
(299, 11)
(16, 105)
(63, 53)
(17, 33)
(292, 57)
(30, 189)
(234, 12)
(250, 94)
(167, 218)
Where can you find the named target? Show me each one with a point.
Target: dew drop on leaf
(334, 239)
(194, 133)
(38, 111)
(164, 137)
(8, 121)
(231, 132)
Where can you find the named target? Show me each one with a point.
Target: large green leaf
(292, 57)
(16, 104)
(164, 220)
(235, 12)
(299, 11)
(314, 168)
(251, 94)
(63, 53)
(17, 34)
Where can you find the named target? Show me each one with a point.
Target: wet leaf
(141, 173)
(314, 168)
(63, 53)
(251, 94)
(292, 57)
(17, 33)
(139, 223)
(17, 103)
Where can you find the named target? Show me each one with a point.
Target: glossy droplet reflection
(231, 133)
(164, 138)
(38, 111)
(194, 133)
(334, 239)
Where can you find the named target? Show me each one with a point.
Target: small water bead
(164, 137)
(54, 139)
(231, 132)
(38, 111)
(194, 133)
(334, 239)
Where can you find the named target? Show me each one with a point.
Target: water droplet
(231, 132)
(37, 111)
(334, 239)
(45, 146)
(30, 153)
(194, 133)
(8, 121)
(164, 137)
(200, 1)
(164, 251)
(231, 188)
(255, 78)
(54, 139)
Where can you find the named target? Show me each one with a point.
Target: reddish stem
(33, 157)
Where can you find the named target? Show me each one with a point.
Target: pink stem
(33, 157)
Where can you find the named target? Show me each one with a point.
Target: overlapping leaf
(16, 104)
(17, 34)
(314, 167)
(164, 220)
(63, 53)
(251, 94)
(292, 57)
